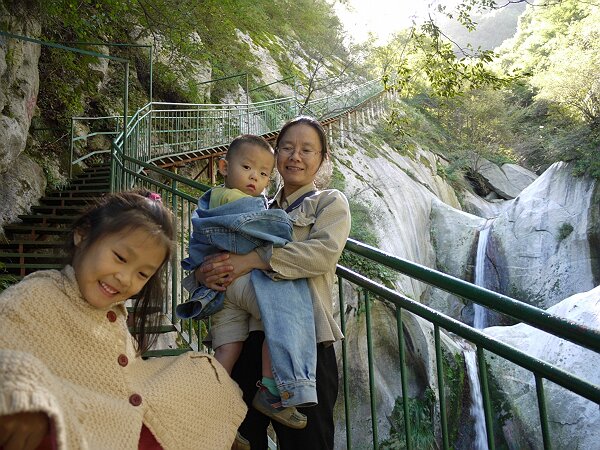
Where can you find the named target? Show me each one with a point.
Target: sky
(382, 17)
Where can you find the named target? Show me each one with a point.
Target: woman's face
(299, 157)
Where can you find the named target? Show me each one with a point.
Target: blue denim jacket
(285, 305)
(236, 227)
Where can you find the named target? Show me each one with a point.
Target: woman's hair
(115, 213)
(323, 175)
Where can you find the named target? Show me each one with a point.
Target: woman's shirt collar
(278, 202)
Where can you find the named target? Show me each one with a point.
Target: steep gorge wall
(22, 180)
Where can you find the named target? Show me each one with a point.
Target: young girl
(71, 375)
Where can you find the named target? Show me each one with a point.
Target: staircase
(38, 241)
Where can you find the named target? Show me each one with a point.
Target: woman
(321, 226)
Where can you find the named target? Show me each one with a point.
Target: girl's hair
(115, 213)
(323, 175)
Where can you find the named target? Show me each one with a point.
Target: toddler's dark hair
(251, 139)
(115, 213)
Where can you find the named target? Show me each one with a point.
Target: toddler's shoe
(270, 406)
(240, 443)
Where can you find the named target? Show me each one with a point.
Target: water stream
(480, 320)
(477, 413)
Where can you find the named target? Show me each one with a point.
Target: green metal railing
(540, 319)
(167, 129)
(162, 131)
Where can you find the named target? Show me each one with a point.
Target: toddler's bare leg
(228, 354)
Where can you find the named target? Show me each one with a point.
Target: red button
(123, 361)
(111, 316)
(135, 399)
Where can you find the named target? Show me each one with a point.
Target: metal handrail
(177, 126)
(536, 317)
(160, 130)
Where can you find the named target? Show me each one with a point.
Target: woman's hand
(242, 264)
(23, 431)
(220, 270)
(214, 271)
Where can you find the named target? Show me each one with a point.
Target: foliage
(362, 227)
(564, 231)
(421, 412)
(560, 44)
(6, 279)
(424, 57)
(537, 103)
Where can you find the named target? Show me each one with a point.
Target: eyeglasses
(304, 153)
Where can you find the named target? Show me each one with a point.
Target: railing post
(71, 150)
(485, 393)
(372, 392)
(345, 366)
(403, 378)
(441, 388)
(541, 398)
(174, 263)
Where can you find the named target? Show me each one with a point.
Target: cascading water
(480, 320)
(476, 400)
(480, 313)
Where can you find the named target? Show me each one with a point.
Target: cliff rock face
(574, 421)
(544, 239)
(400, 192)
(541, 250)
(506, 181)
(18, 92)
(21, 179)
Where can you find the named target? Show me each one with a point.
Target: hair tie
(154, 196)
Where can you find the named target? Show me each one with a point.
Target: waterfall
(476, 400)
(480, 319)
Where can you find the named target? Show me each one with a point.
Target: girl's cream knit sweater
(77, 363)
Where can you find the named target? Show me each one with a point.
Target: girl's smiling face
(116, 266)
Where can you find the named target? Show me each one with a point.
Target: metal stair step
(67, 201)
(47, 218)
(99, 168)
(57, 210)
(20, 245)
(26, 268)
(99, 187)
(104, 181)
(93, 175)
(78, 193)
(47, 257)
(14, 229)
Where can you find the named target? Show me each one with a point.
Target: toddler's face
(249, 170)
(116, 266)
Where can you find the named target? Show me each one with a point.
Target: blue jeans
(285, 305)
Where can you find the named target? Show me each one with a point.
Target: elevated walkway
(161, 136)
